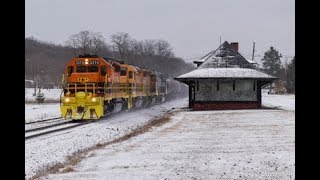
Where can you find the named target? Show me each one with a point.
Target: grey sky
(192, 27)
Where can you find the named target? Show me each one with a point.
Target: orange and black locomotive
(95, 86)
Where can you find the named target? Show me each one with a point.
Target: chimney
(235, 46)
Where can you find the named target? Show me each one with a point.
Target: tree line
(285, 73)
(45, 61)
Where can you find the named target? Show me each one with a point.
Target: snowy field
(242, 144)
(286, 102)
(49, 94)
(34, 112)
(54, 148)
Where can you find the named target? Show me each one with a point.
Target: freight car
(94, 87)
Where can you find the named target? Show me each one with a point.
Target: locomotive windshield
(92, 68)
(82, 69)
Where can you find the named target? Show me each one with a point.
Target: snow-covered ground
(242, 144)
(54, 148)
(286, 102)
(34, 112)
(49, 94)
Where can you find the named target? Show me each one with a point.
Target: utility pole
(220, 40)
(253, 50)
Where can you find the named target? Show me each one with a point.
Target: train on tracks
(94, 87)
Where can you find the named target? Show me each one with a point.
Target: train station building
(224, 79)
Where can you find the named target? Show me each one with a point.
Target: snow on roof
(225, 73)
(199, 60)
(251, 61)
(222, 56)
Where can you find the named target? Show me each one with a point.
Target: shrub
(40, 97)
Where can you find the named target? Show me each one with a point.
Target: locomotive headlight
(94, 99)
(86, 61)
(67, 99)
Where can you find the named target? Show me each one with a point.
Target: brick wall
(224, 105)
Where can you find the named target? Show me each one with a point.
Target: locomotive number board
(90, 62)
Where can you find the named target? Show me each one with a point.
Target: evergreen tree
(271, 62)
(290, 77)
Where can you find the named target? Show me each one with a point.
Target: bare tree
(122, 43)
(34, 73)
(136, 47)
(149, 47)
(163, 49)
(86, 42)
(97, 43)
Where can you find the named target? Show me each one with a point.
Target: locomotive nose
(83, 79)
(80, 95)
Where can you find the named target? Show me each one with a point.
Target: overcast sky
(192, 27)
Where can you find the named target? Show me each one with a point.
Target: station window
(197, 84)
(218, 85)
(130, 74)
(70, 70)
(93, 68)
(81, 69)
(103, 70)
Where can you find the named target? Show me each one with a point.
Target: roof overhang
(189, 80)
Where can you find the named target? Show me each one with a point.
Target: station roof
(225, 62)
(225, 73)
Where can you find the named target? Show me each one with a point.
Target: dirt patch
(78, 156)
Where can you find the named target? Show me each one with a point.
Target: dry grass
(68, 169)
(48, 169)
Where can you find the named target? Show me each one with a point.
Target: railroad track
(43, 130)
(40, 131)
(36, 132)
(44, 120)
(46, 127)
